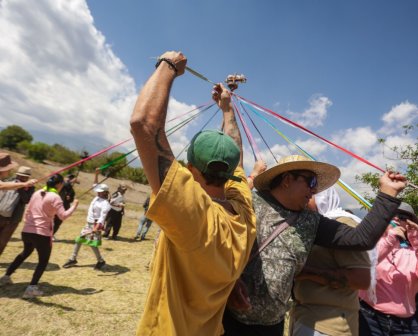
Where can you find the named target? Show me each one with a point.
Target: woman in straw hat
(259, 300)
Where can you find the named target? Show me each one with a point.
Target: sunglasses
(311, 181)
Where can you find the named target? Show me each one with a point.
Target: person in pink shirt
(389, 307)
(38, 231)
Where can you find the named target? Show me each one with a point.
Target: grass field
(79, 300)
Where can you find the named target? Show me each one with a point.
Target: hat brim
(414, 217)
(10, 166)
(327, 174)
(22, 174)
(100, 190)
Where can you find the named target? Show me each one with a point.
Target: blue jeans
(144, 223)
(375, 323)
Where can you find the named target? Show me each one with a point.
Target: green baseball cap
(211, 146)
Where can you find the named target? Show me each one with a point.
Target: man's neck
(215, 192)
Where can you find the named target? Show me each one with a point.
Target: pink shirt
(40, 213)
(396, 277)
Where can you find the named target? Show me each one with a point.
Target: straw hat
(24, 171)
(6, 162)
(327, 174)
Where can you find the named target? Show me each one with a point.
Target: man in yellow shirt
(204, 211)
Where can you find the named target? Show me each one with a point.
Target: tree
(61, 154)
(12, 135)
(39, 151)
(407, 154)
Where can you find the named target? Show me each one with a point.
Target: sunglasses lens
(313, 183)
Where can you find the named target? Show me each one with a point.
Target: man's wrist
(169, 62)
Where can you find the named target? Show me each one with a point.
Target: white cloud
(400, 115)
(313, 147)
(359, 140)
(315, 114)
(379, 155)
(57, 72)
(59, 77)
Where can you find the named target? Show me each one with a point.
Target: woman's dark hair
(52, 182)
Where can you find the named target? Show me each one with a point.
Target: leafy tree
(23, 147)
(133, 174)
(12, 135)
(61, 154)
(117, 163)
(39, 151)
(407, 154)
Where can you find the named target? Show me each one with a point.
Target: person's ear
(286, 180)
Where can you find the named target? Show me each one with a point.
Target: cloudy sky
(70, 70)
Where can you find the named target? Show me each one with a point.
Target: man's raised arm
(230, 127)
(149, 116)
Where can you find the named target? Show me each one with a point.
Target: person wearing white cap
(91, 233)
(286, 232)
(12, 204)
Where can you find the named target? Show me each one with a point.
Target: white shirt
(99, 207)
(117, 201)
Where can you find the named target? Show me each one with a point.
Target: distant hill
(136, 193)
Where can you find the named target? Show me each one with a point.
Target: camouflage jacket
(269, 275)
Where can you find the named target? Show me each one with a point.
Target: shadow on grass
(32, 265)
(120, 239)
(64, 241)
(107, 270)
(15, 291)
(111, 270)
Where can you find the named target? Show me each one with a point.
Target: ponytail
(51, 183)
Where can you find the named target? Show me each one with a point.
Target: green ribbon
(107, 165)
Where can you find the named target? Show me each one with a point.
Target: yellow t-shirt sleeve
(186, 213)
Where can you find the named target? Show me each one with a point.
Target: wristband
(251, 177)
(170, 63)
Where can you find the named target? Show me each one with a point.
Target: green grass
(80, 300)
